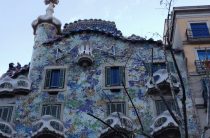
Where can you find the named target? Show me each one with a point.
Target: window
(114, 76)
(161, 107)
(203, 54)
(116, 107)
(52, 109)
(199, 29)
(55, 78)
(159, 65)
(6, 113)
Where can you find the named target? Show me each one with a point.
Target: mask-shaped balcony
(10, 87)
(121, 123)
(165, 127)
(6, 130)
(85, 56)
(48, 127)
(162, 80)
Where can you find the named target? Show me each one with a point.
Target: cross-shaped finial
(51, 1)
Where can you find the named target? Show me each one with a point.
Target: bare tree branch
(142, 128)
(112, 103)
(169, 3)
(103, 122)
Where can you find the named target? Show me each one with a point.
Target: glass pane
(157, 66)
(53, 110)
(108, 109)
(55, 75)
(58, 112)
(47, 111)
(115, 76)
(47, 78)
(119, 107)
(10, 114)
(161, 107)
(203, 54)
(1, 113)
(122, 75)
(123, 108)
(113, 108)
(5, 113)
(108, 74)
(199, 29)
(61, 78)
(43, 110)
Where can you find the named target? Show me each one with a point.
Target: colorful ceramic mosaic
(84, 90)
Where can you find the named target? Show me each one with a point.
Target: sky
(140, 17)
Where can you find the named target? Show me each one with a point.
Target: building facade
(189, 32)
(83, 81)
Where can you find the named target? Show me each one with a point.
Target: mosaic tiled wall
(85, 91)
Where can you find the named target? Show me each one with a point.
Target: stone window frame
(200, 48)
(117, 101)
(198, 21)
(154, 99)
(170, 66)
(104, 76)
(44, 79)
(13, 111)
(50, 103)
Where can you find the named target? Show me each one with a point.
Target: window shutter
(122, 75)
(10, 114)
(108, 109)
(47, 78)
(6, 113)
(62, 78)
(148, 67)
(171, 67)
(107, 76)
(199, 29)
(58, 111)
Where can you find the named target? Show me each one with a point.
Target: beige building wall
(181, 19)
(180, 39)
(190, 52)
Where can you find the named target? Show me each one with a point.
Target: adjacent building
(83, 80)
(189, 32)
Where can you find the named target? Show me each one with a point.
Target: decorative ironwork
(199, 37)
(85, 56)
(202, 67)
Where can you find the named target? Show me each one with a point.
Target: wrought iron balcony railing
(198, 35)
(202, 66)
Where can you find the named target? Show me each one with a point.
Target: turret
(46, 27)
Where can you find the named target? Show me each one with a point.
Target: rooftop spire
(50, 9)
(48, 17)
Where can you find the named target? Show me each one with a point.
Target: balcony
(165, 127)
(85, 56)
(202, 66)
(163, 81)
(6, 130)
(121, 123)
(198, 35)
(10, 87)
(48, 127)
